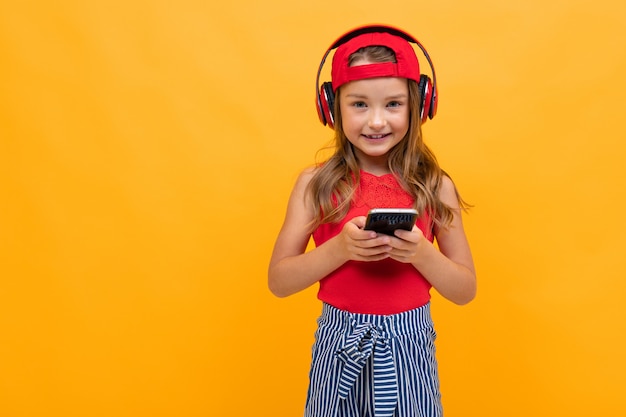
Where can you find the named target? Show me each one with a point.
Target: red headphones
(326, 93)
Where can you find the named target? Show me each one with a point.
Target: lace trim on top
(380, 192)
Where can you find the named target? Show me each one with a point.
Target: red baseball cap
(406, 65)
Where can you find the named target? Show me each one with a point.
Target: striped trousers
(368, 365)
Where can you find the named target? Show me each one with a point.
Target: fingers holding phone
(361, 244)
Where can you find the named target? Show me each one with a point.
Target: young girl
(374, 352)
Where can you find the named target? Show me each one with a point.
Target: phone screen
(390, 219)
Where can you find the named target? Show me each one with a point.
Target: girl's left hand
(405, 245)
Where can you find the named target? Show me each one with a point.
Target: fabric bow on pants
(368, 365)
(368, 340)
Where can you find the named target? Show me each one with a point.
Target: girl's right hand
(363, 245)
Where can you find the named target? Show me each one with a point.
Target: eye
(394, 103)
(359, 104)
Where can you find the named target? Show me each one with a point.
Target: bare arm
(292, 269)
(450, 269)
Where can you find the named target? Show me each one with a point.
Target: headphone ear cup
(327, 105)
(434, 103)
(426, 92)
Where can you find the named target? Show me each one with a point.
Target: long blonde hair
(413, 164)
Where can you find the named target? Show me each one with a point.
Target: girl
(374, 351)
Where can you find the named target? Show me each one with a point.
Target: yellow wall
(147, 149)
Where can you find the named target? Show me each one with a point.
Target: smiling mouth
(377, 136)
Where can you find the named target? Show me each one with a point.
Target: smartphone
(387, 220)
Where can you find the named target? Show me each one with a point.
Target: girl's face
(375, 118)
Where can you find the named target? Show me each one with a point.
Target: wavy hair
(413, 164)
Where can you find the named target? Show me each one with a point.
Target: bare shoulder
(451, 239)
(294, 234)
(448, 193)
(303, 180)
(307, 175)
(300, 206)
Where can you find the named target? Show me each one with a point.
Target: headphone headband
(370, 29)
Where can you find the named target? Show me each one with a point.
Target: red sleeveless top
(379, 287)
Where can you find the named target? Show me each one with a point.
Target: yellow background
(147, 150)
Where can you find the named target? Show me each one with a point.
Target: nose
(377, 119)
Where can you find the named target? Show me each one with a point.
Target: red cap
(406, 65)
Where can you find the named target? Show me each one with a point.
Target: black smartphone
(387, 220)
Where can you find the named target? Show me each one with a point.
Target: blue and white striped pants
(369, 365)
